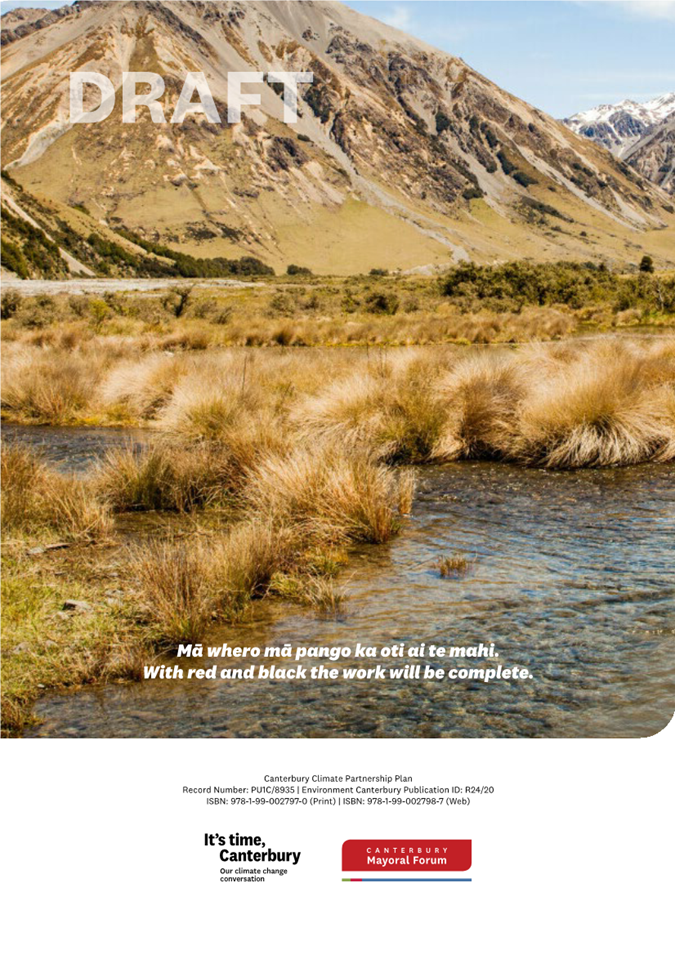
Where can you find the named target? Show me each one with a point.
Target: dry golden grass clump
(323, 595)
(582, 405)
(143, 386)
(576, 403)
(349, 412)
(667, 449)
(481, 397)
(486, 328)
(202, 408)
(389, 406)
(453, 566)
(186, 585)
(166, 477)
(39, 500)
(214, 392)
(327, 491)
(241, 419)
(48, 387)
(610, 405)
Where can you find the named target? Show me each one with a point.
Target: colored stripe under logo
(422, 879)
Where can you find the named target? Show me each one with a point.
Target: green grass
(45, 647)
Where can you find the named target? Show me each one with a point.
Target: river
(570, 575)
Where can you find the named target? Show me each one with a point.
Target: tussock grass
(481, 396)
(337, 494)
(223, 403)
(667, 449)
(39, 500)
(292, 452)
(324, 596)
(609, 406)
(578, 403)
(587, 405)
(166, 477)
(143, 386)
(214, 394)
(407, 485)
(186, 585)
(48, 387)
(453, 566)
(176, 582)
(390, 407)
(608, 399)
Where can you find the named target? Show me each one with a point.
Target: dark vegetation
(33, 251)
(27, 250)
(574, 284)
(187, 266)
(545, 209)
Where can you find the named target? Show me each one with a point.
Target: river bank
(246, 474)
(566, 571)
(568, 575)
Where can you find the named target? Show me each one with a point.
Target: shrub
(9, 304)
(507, 166)
(443, 122)
(490, 136)
(383, 303)
(524, 179)
(576, 284)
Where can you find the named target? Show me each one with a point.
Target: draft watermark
(195, 84)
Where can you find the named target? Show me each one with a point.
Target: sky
(560, 55)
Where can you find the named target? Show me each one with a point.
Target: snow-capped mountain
(620, 126)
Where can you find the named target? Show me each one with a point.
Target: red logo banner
(406, 855)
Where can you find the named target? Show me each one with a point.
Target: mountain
(620, 127)
(25, 20)
(654, 155)
(403, 157)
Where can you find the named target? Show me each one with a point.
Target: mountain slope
(403, 156)
(654, 155)
(620, 127)
(19, 23)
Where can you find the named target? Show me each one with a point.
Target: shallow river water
(571, 576)
(74, 449)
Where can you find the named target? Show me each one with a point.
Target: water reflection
(74, 449)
